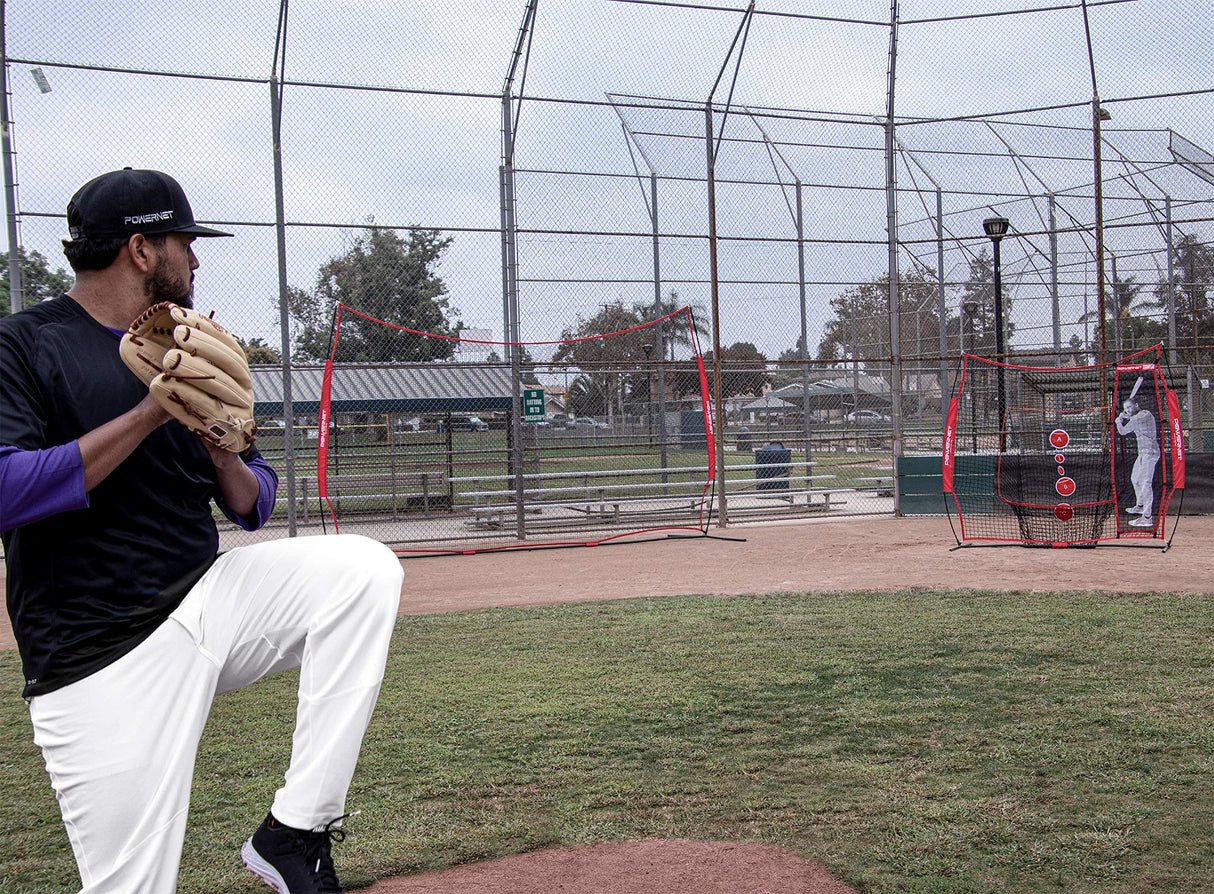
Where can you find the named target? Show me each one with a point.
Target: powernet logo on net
(950, 438)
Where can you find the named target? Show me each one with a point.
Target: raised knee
(383, 570)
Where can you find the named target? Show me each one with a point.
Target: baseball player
(127, 620)
(1141, 423)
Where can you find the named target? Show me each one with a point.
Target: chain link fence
(555, 171)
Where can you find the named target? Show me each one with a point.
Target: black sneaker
(293, 861)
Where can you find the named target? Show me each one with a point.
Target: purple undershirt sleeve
(267, 480)
(36, 484)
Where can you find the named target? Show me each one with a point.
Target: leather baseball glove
(196, 370)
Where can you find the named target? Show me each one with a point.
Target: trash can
(745, 445)
(772, 462)
(692, 435)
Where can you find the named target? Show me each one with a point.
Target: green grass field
(913, 741)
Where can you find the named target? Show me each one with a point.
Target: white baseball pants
(120, 745)
(1142, 477)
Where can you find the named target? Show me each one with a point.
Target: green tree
(860, 327)
(1192, 293)
(585, 397)
(610, 363)
(38, 281)
(1127, 326)
(743, 370)
(258, 351)
(789, 365)
(978, 304)
(388, 278)
(678, 331)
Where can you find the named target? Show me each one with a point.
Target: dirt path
(856, 554)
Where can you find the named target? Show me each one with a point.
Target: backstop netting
(464, 444)
(1063, 456)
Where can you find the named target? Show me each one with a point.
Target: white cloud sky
(418, 158)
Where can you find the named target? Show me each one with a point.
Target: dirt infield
(831, 555)
(828, 556)
(823, 556)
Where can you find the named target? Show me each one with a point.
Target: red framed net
(488, 445)
(1063, 456)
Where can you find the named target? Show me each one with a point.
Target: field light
(996, 228)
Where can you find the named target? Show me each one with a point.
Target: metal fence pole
(1173, 356)
(804, 330)
(945, 391)
(284, 288)
(1054, 280)
(510, 268)
(719, 459)
(891, 202)
(10, 188)
(660, 339)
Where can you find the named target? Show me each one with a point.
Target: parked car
(464, 423)
(866, 417)
(561, 420)
(587, 422)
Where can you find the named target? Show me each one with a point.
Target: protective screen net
(1063, 456)
(467, 444)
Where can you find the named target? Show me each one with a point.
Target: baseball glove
(196, 370)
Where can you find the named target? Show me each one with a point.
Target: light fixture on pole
(996, 228)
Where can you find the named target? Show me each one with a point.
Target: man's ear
(139, 250)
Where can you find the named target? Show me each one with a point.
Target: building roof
(848, 389)
(361, 388)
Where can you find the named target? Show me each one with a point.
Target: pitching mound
(634, 867)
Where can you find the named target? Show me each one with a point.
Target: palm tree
(676, 331)
(1124, 313)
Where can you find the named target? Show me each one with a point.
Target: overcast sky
(418, 158)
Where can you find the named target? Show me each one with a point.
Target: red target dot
(1064, 512)
(1061, 470)
(1065, 486)
(1059, 458)
(1059, 438)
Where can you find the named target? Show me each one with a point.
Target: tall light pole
(996, 228)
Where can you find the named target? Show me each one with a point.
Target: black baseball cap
(122, 203)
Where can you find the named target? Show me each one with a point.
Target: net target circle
(1064, 512)
(1065, 486)
(1059, 438)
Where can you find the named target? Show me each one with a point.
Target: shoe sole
(259, 867)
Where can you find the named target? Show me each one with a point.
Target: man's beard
(163, 286)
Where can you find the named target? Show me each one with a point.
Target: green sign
(533, 405)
